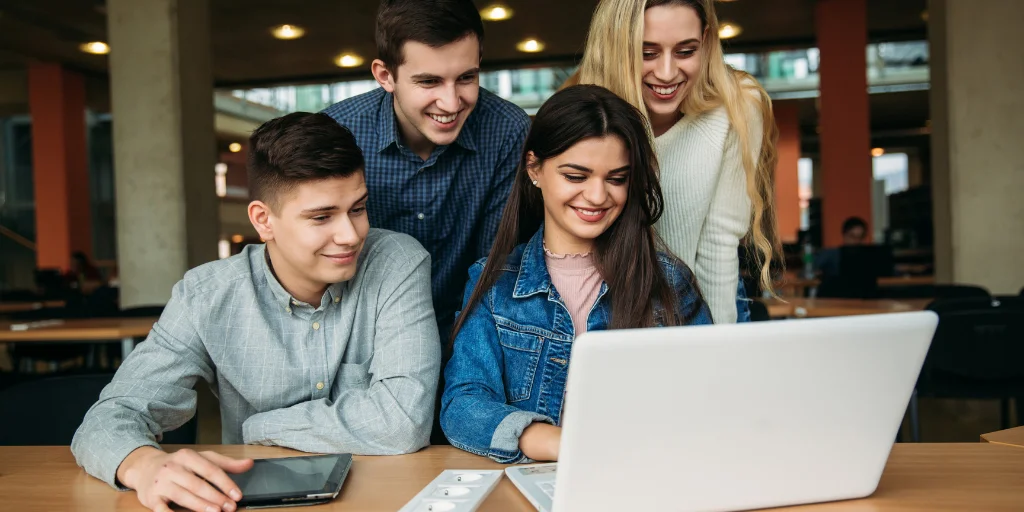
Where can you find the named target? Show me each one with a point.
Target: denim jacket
(511, 357)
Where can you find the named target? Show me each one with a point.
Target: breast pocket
(522, 355)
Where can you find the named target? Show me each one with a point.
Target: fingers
(204, 491)
(187, 498)
(227, 463)
(212, 474)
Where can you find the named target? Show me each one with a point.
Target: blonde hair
(613, 58)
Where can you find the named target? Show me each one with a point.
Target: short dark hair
(299, 148)
(854, 222)
(434, 23)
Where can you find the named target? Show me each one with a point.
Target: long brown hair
(613, 58)
(626, 254)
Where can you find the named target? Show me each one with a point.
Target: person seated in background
(323, 339)
(855, 233)
(576, 251)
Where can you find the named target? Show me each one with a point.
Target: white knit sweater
(707, 210)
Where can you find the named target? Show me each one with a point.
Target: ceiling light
(729, 30)
(288, 31)
(95, 48)
(348, 60)
(877, 152)
(234, 147)
(496, 12)
(530, 46)
(237, 239)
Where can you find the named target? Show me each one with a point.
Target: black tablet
(305, 480)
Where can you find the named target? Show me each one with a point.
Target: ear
(259, 216)
(532, 166)
(382, 75)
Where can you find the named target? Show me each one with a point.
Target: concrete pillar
(846, 177)
(977, 108)
(60, 165)
(164, 145)
(787, 178)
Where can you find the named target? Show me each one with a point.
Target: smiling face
(584, 191)
(672, 61)
(435, 90)
(315, 233)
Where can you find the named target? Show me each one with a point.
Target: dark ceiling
(245, 53)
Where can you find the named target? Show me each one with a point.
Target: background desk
(89, 330)
(1011, 437)
(819, 308)
(925, 477)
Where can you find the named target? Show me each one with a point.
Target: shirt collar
(387, 133)
(282, 296)
(533, 271)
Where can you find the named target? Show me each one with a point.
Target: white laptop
(731, 417)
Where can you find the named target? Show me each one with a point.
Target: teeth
(665, 90)
(443, 119)
(588, 212)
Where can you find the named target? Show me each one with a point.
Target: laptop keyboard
(548, 488)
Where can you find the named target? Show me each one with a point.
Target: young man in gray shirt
(322, 339)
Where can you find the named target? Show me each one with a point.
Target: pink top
(578, 282)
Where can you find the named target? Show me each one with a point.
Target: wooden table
(925, 477)
(795, 285)
(818, 308)
(1010, 437)
(21, 307)
(87, 330)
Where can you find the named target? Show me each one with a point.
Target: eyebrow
(330, 208)
(430, 76)
(584, 169)
(680, 43)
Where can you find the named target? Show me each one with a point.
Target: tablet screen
(292, 475)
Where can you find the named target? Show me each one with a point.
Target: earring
(535, 183)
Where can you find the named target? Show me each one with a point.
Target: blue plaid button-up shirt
(452, 201)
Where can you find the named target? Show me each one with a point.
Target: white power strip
(455, 490)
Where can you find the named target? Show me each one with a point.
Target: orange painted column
(787, 179)
(844, 116)
(60, 165)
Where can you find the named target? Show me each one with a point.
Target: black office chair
(933, 291)
(860, 266)
(48, 411)
(759, 312)
(976, 353)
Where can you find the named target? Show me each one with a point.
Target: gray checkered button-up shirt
(356, 373)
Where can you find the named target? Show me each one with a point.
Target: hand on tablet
(194, 480)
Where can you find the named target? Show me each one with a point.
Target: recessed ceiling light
(877, 152)
(234, 147)
(348, 60)
(95, 48)
(729, 30)
(288, 32)
(496, 12)
(530, 46)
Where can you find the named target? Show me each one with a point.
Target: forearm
(540, 441)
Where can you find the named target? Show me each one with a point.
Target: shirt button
(319, 385)
(420, 216)
(337, 300)
(287, 310)
(316, 325)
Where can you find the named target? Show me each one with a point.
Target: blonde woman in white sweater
(714, 133)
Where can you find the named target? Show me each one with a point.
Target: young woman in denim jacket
(575, 251)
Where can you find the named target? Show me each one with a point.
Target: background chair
(48, 411)
(977, 353)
